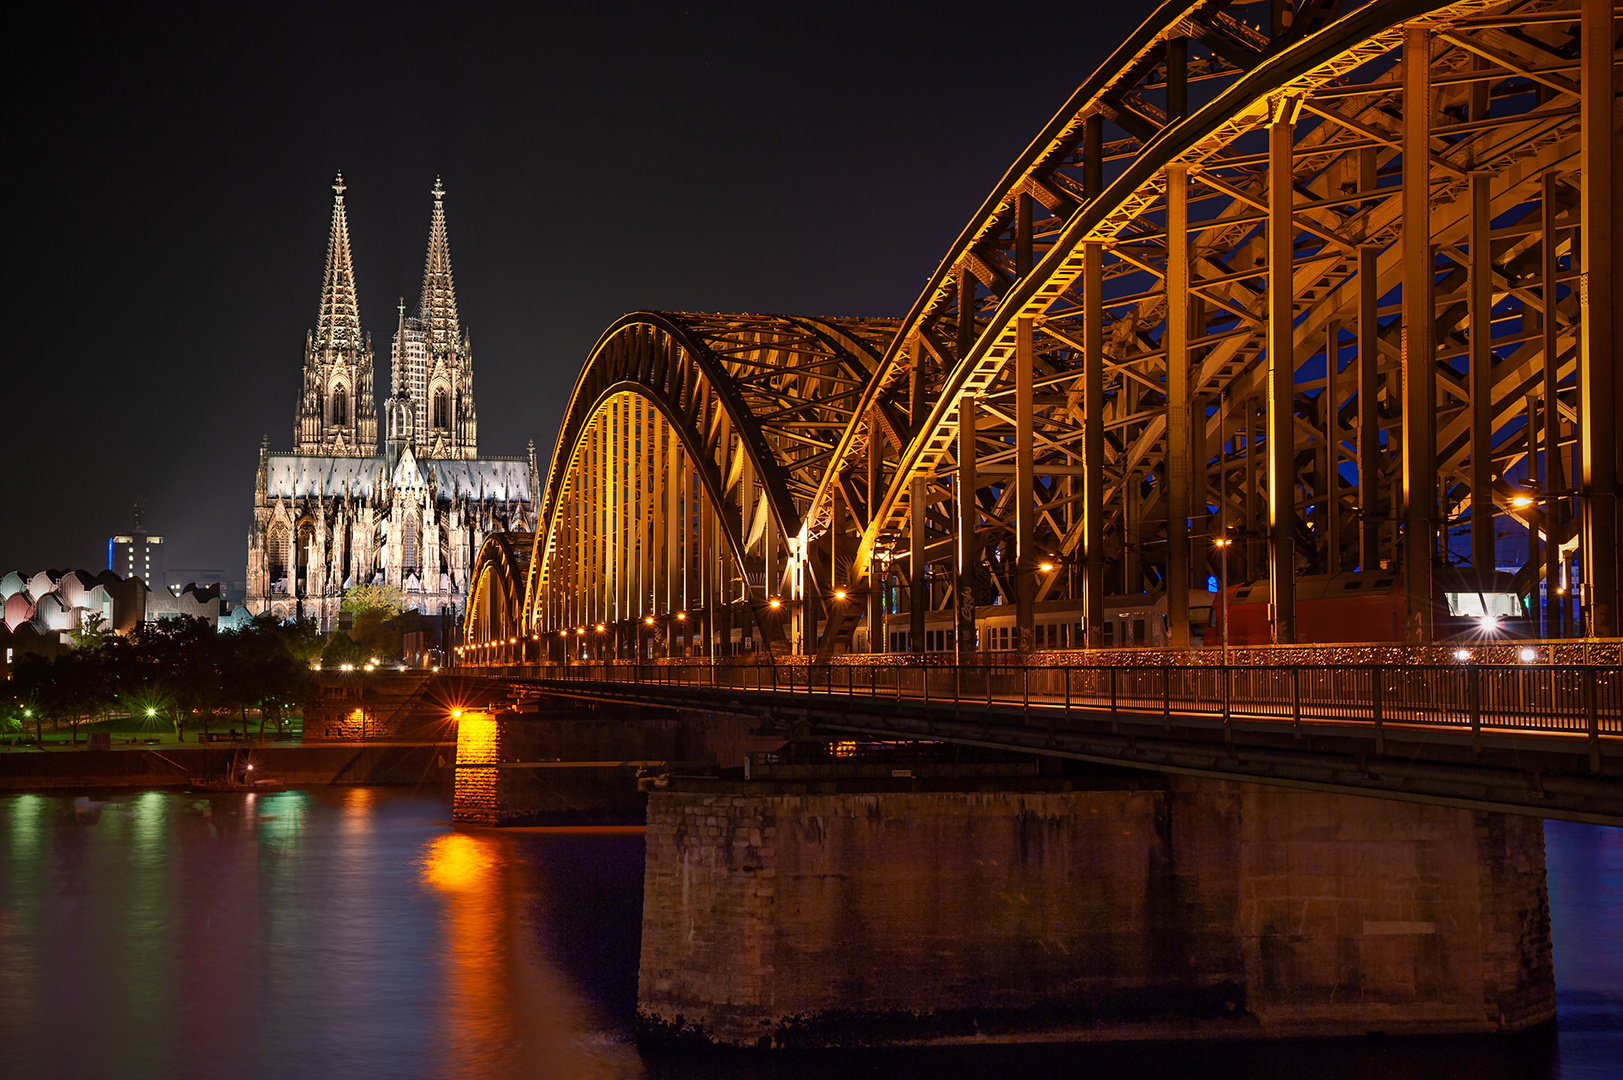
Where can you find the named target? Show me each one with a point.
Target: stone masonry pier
(546, 765)
(795, 914)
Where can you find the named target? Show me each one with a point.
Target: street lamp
(1222, 544)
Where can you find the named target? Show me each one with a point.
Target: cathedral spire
(437, 309)
(339, 324)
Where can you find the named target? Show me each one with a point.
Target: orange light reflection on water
(507, 1012)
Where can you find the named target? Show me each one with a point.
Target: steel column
(969, 553)
(1093, 442)
(1025, 481)
(1598, 297)
(1179, 474)
(1419, 352)
(1555, 605)
(876, 584)
(1481, 369)
(918, 593)
(1281, 380)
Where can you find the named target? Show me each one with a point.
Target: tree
(365, 599)
(182, 658)
(264, 670)
(371, 608)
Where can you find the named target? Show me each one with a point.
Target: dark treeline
(179, 671)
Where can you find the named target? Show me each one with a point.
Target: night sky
(171, 200)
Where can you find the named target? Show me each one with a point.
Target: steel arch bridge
(1240, 309)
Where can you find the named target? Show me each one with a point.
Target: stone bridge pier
(798, 913)
(562, 762)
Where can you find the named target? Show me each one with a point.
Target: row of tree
(178, 670)
(183, 671)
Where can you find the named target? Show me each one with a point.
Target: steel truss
(1236, 281)
(689, 456)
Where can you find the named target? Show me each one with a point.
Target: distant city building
(230, 589)
(137, 553)
(336, 512)
(40, 612)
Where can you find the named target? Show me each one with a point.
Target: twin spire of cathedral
(432, 405)
(437, 308)
(339, 324)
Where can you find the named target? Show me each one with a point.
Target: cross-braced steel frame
(1241, 306)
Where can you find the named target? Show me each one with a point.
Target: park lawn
(122, 728)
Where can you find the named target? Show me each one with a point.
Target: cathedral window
(340, 407)
(439, 409)
(409, 542)
(276, 550)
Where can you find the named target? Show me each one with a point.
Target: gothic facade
(338, 510)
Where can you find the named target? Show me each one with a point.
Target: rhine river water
(352, 932)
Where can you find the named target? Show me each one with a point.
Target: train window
(1384, 582)
(1242, 594)
(1138, 632)
(1107, 632)
(1003, 638)
(1351, 585)
(949, 640)
(1484, 605)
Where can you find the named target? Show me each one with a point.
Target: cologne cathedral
(337, 512)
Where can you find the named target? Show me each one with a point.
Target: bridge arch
(1235, 311)
(690, 448)
(493, 626)
(1266, 150)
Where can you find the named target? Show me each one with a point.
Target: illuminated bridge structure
(1315, 293)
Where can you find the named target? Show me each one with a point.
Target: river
(352, 932)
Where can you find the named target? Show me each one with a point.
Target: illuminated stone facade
(337, 513)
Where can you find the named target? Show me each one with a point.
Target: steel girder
(495, 611)
(1278, 165)
(690, 451)
(1377, 341)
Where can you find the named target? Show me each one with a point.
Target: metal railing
(1567, 701)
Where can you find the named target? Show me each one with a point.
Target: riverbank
(174, 766)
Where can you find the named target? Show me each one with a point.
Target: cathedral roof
(339, 323)
(292, 476)
(492, 478)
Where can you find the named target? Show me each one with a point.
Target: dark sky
(171, 202)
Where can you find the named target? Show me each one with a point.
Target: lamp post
(364, 670)
(1222, 544)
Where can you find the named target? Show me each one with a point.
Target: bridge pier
(799, 913)
(564, 763)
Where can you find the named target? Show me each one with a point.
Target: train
(1370, 607)
(1130, 621)
(1345, 608)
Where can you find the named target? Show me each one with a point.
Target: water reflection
(354, 933)
(319, 933)
(505, 1012)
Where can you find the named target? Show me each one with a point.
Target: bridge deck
(1547, 740)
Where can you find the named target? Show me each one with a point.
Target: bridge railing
(1582, 701)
